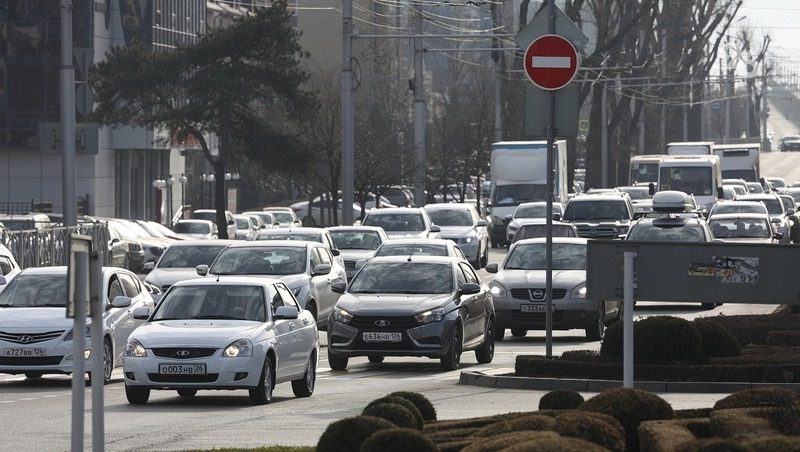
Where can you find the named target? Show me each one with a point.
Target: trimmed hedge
(717, 340)
(630, 407)
(405, 403)
(594, 427)
(657, 340)
(398, 440)
(758, 397)
(500, 442)
(422, 403)
(347, 435)
(713, 445)
(559, 444)
(773, 443)
(394, 413)
(524, 423)
(784, 338)
(560, 400)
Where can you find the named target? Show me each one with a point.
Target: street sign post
(551, 62)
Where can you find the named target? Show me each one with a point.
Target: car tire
(33, 375)
(594, 332)
(499, 332)
(262, 395)
(108, 361)
(452, 360)
(485, 353)
(519, 332)
(337, 362)
(312, 308)
(304, 387)
(186, 392)
(375, 359)
(137, 396)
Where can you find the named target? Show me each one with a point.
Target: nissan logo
(25, 339)
(183, 353)
(382, 323)
(537, 294)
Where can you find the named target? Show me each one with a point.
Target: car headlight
(296, 291)
(242, 347)
(497, 290)
(512, 229)
(70, 336)
(579, 293)
(466, 240)
(341, 316)
(434, 315)
(135, 349)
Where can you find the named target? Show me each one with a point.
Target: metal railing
(47, 247)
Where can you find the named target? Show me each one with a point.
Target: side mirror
(202, 269)
(491, 268)
(336, 252)
(651, 189)
(158, 251)
(469, 289)
(778, 236)
(338, 287)
(435, 228)
(263, 226)
(121, 302)
(141, 313)
(775, 220)
(113, 241)
(148, 266)
(285, 313)
(230, 222)
(482, 223)
(790, 211)
(322, 269)
(557, 217)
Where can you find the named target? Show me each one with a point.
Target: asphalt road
(37, 412)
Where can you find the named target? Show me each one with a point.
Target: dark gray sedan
(412, 306)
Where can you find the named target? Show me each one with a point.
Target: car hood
(530, 278)
(198, 333)
(746, 240)
(407, 234)
(390, 304)
(169, 276)
(195, 236)
(34, 319)
(354, 255)
(448, 232)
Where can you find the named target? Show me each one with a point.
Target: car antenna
(412, 253)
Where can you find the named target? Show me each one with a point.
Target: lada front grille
(29, 338)
(184, 352)
(383, 323)
(30, 360)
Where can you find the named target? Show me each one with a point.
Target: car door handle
(292, 325)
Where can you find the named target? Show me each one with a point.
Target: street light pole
(182, 180)
(169, 181)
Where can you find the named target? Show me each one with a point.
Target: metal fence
(46, 247)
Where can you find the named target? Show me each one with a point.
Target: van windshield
(692, 180)
(511, 195)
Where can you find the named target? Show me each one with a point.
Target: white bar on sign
(550, 62)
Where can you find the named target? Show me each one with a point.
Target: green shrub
(394, 413)
(758, 397)
(560, 400)
(398, 440)
(657, 340)
(524, 423)
(453, 434)
(346, 435)
(786, 419)
(691, 413)
(422, 403)
(405, 403)
(630, 407)
(560, 444)
(580, 355)
(454, 446)
(499, 442)
(773, 443)
(717, 340)
(596, 428)
(713, 445)
(784, 338)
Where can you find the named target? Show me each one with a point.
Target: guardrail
(47, 247)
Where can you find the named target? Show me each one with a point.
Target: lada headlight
(341, 316)
(135, 349)
(241, 347)
(434, 315)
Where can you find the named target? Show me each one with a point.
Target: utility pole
(348, 147)
(664, 105)
(67, 75)
(765, 144)
(498, 79)
(604, 135)
(727, 87)
(420, 151)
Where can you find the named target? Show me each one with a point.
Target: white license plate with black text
(182, 369)
(532, 308)
(23, 352)
(382, 337)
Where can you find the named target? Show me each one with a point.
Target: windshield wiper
(367, 291)
(168, 318)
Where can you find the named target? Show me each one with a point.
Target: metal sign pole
(80, 259)
(627, 326)
(98, 351)
(548, 291)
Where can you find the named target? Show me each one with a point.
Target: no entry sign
(551, 62)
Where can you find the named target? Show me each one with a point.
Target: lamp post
(169, 182)
(210, 179)
(234, 205)
(182, 180)
(159, 185)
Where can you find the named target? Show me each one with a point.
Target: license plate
(182, 369)
(383, 337)
(532, 308)
(23, 352)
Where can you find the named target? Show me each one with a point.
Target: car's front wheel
(375, 359)
(263, 393)
(594, 332)
(33, 375)
(485, 353)
(337, 362)
(137, 396)
(304, 387)
(187, 392)
(452, 360)
(519, 332)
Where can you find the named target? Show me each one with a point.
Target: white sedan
(235, 333)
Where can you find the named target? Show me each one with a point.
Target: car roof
(417, 258)
(278, 209)
(273, 243)
(756, 196)
(449, 206)
(729, 216)
(576, 240)
(589, 197)
(394, 210)
(202, 242)
(670, 220)
(228, 280)
(419, 241)
(193, 220)
(295, 230)
(62, 270)
(354, 228)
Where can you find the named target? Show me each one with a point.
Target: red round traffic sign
(551, 62)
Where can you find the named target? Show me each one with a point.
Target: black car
(429, 306)
(790, 143)
(605, 215)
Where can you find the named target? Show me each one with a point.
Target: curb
(509, 381)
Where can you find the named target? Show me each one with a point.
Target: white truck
(519, 174)
(739, 161)
(690, 148)
(697, 175)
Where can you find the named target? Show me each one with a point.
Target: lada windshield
(404, 278)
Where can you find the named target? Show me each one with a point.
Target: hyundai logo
(382, 323)
(25, 339)
(537, 294)
(183, 353)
